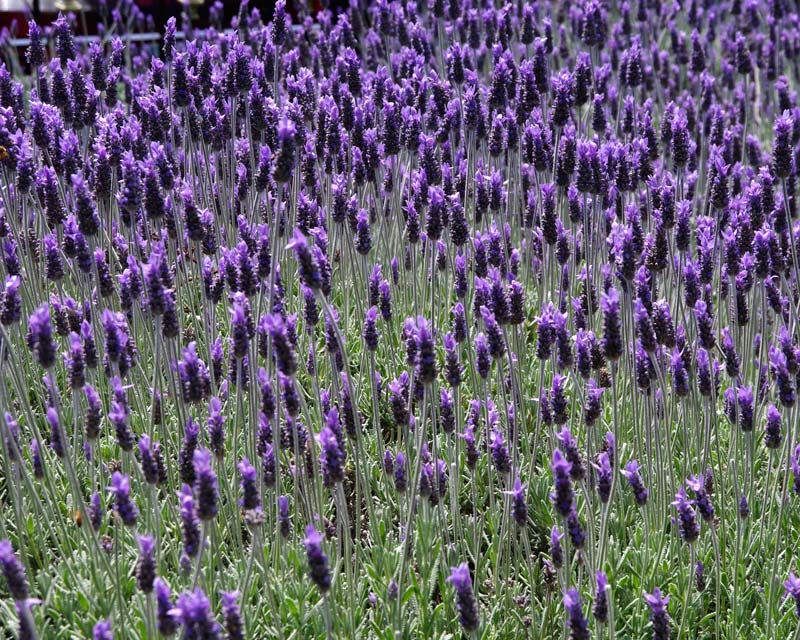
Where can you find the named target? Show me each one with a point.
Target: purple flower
(612, 325)
(688, 527)
(563, 495)
(318, 569)
(600, 608)
(205, 485)
(284, 522)
(569, 446)
(576, 622)
(604, 477)
(190, 524)
(194, 376)
(659, 617)
(193, 609)
(251, 499)
(634, 478)
(216, 428)
(500, 457)
(792, 590)
(519, 507)
(466, 604)
(10, 301)
(240, 333)
(308, 266)
(483, 361)
(165, 610)
(146, 564)
(123, 505)
(400, 482)
(370, 332)
(425, 353)
(148, 460)
(40, 338)
(556, 551)
(102, 631)
(332, 453)
(56, 433)
(697, 484)
(13, 572)
(772, 431)
(232, 616)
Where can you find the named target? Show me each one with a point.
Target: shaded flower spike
(285, 357)
(563, 494)
(102, 631)
(604, 477)
(612, 325)
(519, 507)
(500, 457)
(466, 604)
(634, 478)
(165, 617)
(792, 590)
(194, 376)
(782, 147)
(600, 608)
(205, 485)
(772, 432)
(332, 454)
(251, 499)
(308, 267)
(190, 525)
(146, 565)
(687, 518)
(370, 332)
(13, 572)
(556, 551)
(232, 616)
(35, 52)
(425, 353)
(40, 338)
(576, 622)
(123, 505)
(318, 569)
(659, 617)
(193, 609)
(284, 521)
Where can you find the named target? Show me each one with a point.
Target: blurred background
(92, 14)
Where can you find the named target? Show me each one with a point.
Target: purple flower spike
(146, 565)
(687, 518)
(600, 608)
(13, 572)
(251, 498)
(576, 621)
(632, 475)
(659, 617)
(205, 485)
(193, 609)
(232, 616)
(318, 569)
(792, 590)
(563, 495)
(102, 631)
(123, 505)
(466, 604)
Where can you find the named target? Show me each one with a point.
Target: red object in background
(14, 14)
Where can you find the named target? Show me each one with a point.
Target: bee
(3, 154)
(77, 517)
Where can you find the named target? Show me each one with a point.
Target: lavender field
(429, 319)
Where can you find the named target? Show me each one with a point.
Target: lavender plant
(418, 319)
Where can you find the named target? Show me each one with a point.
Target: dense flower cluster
(304, 309)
